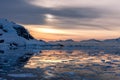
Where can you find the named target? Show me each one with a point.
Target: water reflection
(31, 64)
(52, 57)
(76, 65)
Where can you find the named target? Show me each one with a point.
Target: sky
(65, 19)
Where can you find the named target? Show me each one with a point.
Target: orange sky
(51, 34)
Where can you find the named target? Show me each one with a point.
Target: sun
(49, 16)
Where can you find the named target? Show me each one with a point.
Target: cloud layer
(66, 14)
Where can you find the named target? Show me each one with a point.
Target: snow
(2, 79)
(11, 34)
(22, 75)
(13, 38)
(93, 44)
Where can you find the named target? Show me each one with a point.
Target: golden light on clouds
(75, 3)
(48, 30)
(44, 3)
(48, 33)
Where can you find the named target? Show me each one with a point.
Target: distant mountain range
(111, 44)
(86, 41)
(91, 45)
(13, 35)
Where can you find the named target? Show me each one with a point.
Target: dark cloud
(22, 12)
(79, 25)
(77, 12)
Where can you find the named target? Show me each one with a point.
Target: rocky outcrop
(13, 34)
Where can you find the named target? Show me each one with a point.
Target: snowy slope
(12, 34)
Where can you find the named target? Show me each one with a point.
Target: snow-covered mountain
(89, 44)
(70, 41)
(117, 40)
(107, 42)
(12, 34)
(90, 41)
(92, 45)
(64, 42)
(112, 40)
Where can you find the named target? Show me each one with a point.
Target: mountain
(72, 42)
(117, 40)
(91, 41)
(63, 42)
(112, 40)
(12, 34)
(90, 44)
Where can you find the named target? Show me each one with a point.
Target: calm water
(62, 65)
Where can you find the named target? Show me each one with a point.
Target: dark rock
(5, 30)
(1, 41)
(13, 44)
(1, 51)
(21, 31)
(1, 26)
(1, 34)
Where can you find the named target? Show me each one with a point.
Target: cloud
(75, 3)
(22, 12)
(87, 14)
(84, 12)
